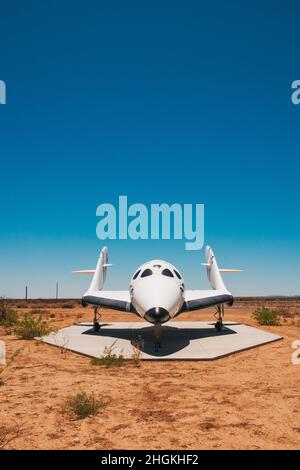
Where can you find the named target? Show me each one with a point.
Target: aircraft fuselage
(157, 291)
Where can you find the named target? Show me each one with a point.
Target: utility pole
(26, 293)
(56, 296)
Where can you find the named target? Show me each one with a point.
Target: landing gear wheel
(97, 317)
(219, 315)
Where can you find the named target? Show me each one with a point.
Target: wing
(117, 300)
(197, 299)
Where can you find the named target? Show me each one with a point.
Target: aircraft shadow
(173, 339)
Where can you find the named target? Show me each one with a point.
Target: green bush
(109, 361)
(8, 316)
(108, 358)
(83, 404)
(266, 316)
(31, 327)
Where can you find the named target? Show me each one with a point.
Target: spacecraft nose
(157, 314)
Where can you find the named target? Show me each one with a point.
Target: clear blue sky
(163, 101)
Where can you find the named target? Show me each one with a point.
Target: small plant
(266, 316)
(8, 364)
(108, 358)
(9, 434)
(8, 316)
(31, 327)
(63, 345)
(137, 349)
(68, 305)
(83, 404)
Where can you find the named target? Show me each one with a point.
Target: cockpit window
(167, 272)
(177, 274)
(136, 274)
(146, 273)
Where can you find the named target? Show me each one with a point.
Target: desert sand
(249, 400)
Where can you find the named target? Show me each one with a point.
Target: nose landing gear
(157, 336)
(219, 315)
(97, 316)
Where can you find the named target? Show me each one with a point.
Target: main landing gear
(219, 315)
(97, 317)
(157, 336)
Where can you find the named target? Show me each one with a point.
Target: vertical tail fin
(213, 272)
(100, 271)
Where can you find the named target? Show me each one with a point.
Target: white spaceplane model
(157, 292)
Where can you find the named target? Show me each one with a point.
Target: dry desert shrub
(31, 327)
(137, 350)
(63, 344)
(8, 434)
(9, 362)
(83, 404)
(8, 316)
